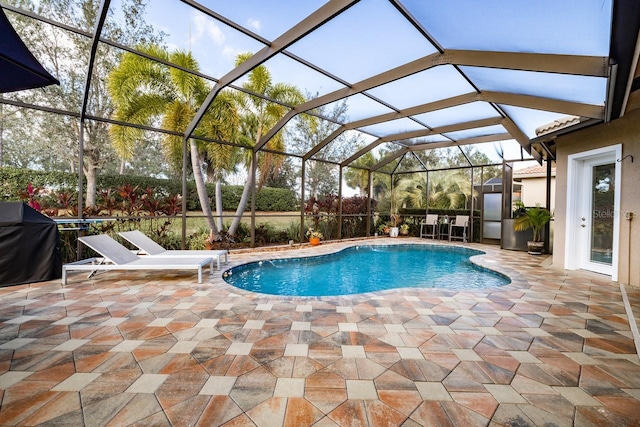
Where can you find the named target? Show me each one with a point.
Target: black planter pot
(535, 248)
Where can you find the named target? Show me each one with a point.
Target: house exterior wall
(625, 131)
(534, 192)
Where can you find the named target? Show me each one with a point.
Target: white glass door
(597, 216)
(593, 206)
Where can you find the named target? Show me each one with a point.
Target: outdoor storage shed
(29, 245)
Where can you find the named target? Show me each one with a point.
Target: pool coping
(518, 281)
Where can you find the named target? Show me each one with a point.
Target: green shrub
(264, 234)
(243, 233)
(13, 181)
(196, 240)
(294, 231)
(170, 241)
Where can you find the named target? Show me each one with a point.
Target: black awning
(19, 69)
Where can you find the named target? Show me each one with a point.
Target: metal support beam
(340, 203)
(382, 163)
(541, 103)
(579, 65)
(521, 138)
(104, 9)
(547, 227)
(399, 162)
(302, 177)
(336, 133)
(254, 166)
(567, 64)
(419, 133)
(418, 109)
(545, 147)
(472, 209)
(426, 194)
(362, 152)
(80, 188)
(408, 69)
(444, 129)
(461, 142)
(185, 165)
(525, 101)
(369, 192)
(325, 13)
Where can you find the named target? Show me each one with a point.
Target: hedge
(13, 181)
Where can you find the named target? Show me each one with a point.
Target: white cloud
(254, 23)
(230, 52)
(204, 27)
(216, 34)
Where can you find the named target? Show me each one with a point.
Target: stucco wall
(625, 131)
(534, 192)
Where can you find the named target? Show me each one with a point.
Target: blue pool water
(361, 269)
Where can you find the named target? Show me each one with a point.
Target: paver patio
(552, 348)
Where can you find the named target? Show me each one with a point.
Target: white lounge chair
(117, 257)
(151, 248)
(430, 221)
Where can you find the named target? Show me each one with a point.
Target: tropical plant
(259, 115)
(354, 211)
(409, 192)
(449, 189)
(145, 91)
(359, 178)
(31, 196)
(323, 213)
(535, 218)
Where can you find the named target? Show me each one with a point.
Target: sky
(372, 36)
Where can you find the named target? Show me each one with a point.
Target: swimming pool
(366, 268)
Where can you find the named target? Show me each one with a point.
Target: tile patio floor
(551, 349)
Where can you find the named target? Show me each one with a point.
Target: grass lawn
(277, 220)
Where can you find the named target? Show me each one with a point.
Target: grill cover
(29, 245)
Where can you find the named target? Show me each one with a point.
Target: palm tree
(451, 186)
(359, 178)
(410, 191)
(145, 91)
(260, 115)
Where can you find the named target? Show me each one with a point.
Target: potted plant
(534, 218)
(394, 224)
(313, 236)
(383, 229)
(404, 229)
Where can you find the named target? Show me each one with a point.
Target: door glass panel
(602, 213)
(493, 207)
(492, 211)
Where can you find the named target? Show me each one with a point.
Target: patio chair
(117, 257)
(151, 248)
(430, 221)
(461, 222)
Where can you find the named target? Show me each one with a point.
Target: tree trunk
(219, 204)
(122, 166)
(91, 175)
(242, 205)
(202, 191)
